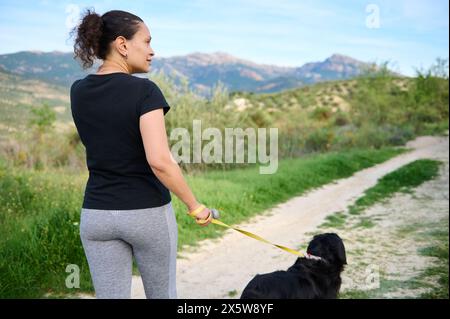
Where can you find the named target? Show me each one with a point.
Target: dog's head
(330, 247)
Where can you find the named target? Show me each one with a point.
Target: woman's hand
(204, 217)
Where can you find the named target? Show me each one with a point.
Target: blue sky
(409, 33)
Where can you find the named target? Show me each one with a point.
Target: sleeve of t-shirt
(152, 99)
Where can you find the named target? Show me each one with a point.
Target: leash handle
(196, 211)
(215, 213)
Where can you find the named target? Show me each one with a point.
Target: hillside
(202, 70)
(19, 94)
(364, 112)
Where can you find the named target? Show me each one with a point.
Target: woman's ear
(121, 45)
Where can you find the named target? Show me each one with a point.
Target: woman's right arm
(161, 161)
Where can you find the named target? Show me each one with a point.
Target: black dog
(307, 278)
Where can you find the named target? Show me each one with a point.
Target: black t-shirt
(106, 109)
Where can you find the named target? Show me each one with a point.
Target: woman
(127, 207)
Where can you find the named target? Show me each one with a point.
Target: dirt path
(384, 259)
(221, 268)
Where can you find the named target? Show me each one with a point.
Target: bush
(341, 119)
(319, 140)
(321, 113)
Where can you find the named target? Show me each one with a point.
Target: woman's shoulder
(74, 85)
(147, 82)
(148, 86)
(143, 82)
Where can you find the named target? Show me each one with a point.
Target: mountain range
(202, 70)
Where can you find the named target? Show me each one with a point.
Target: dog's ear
(330, 247)
(340, 250)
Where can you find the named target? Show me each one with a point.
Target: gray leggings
(111, 237)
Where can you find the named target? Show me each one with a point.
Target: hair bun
(95, 33)
(89, 33)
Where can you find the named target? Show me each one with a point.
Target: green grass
(439, 239)
(337, 220)
(365, 223)
(386, 286)
(404, 179)
(401, 180)
(434, 278)
(39, 212)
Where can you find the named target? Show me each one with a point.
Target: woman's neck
(111, 66)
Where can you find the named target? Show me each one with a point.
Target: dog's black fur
(307, 278)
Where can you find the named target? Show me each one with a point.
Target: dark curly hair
(95, 33)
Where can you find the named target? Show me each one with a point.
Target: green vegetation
(400, 180)
(40, 212)
(18, 96)
(335, 220)
(435, 235)
(326, 132)
(377, 109)
(438, 238)
(404, 179)
(433, 278)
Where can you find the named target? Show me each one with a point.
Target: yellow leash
(249, 234)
